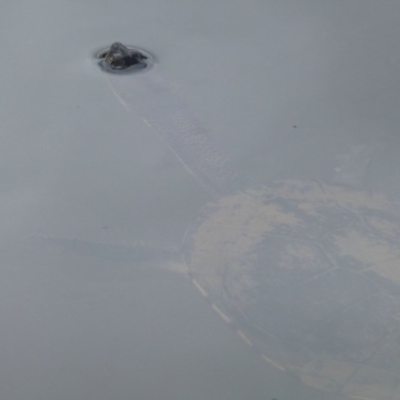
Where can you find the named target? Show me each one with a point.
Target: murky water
(87, 328)
(288, 91)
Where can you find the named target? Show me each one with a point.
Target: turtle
(306, 272)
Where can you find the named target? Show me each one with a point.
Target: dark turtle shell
(309, 275)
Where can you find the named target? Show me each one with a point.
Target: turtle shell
(309, 276)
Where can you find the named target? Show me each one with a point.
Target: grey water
(72, 328)
(287, 89)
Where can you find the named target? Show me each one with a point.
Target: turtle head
(120, 57)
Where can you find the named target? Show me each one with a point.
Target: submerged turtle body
(309, 275)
